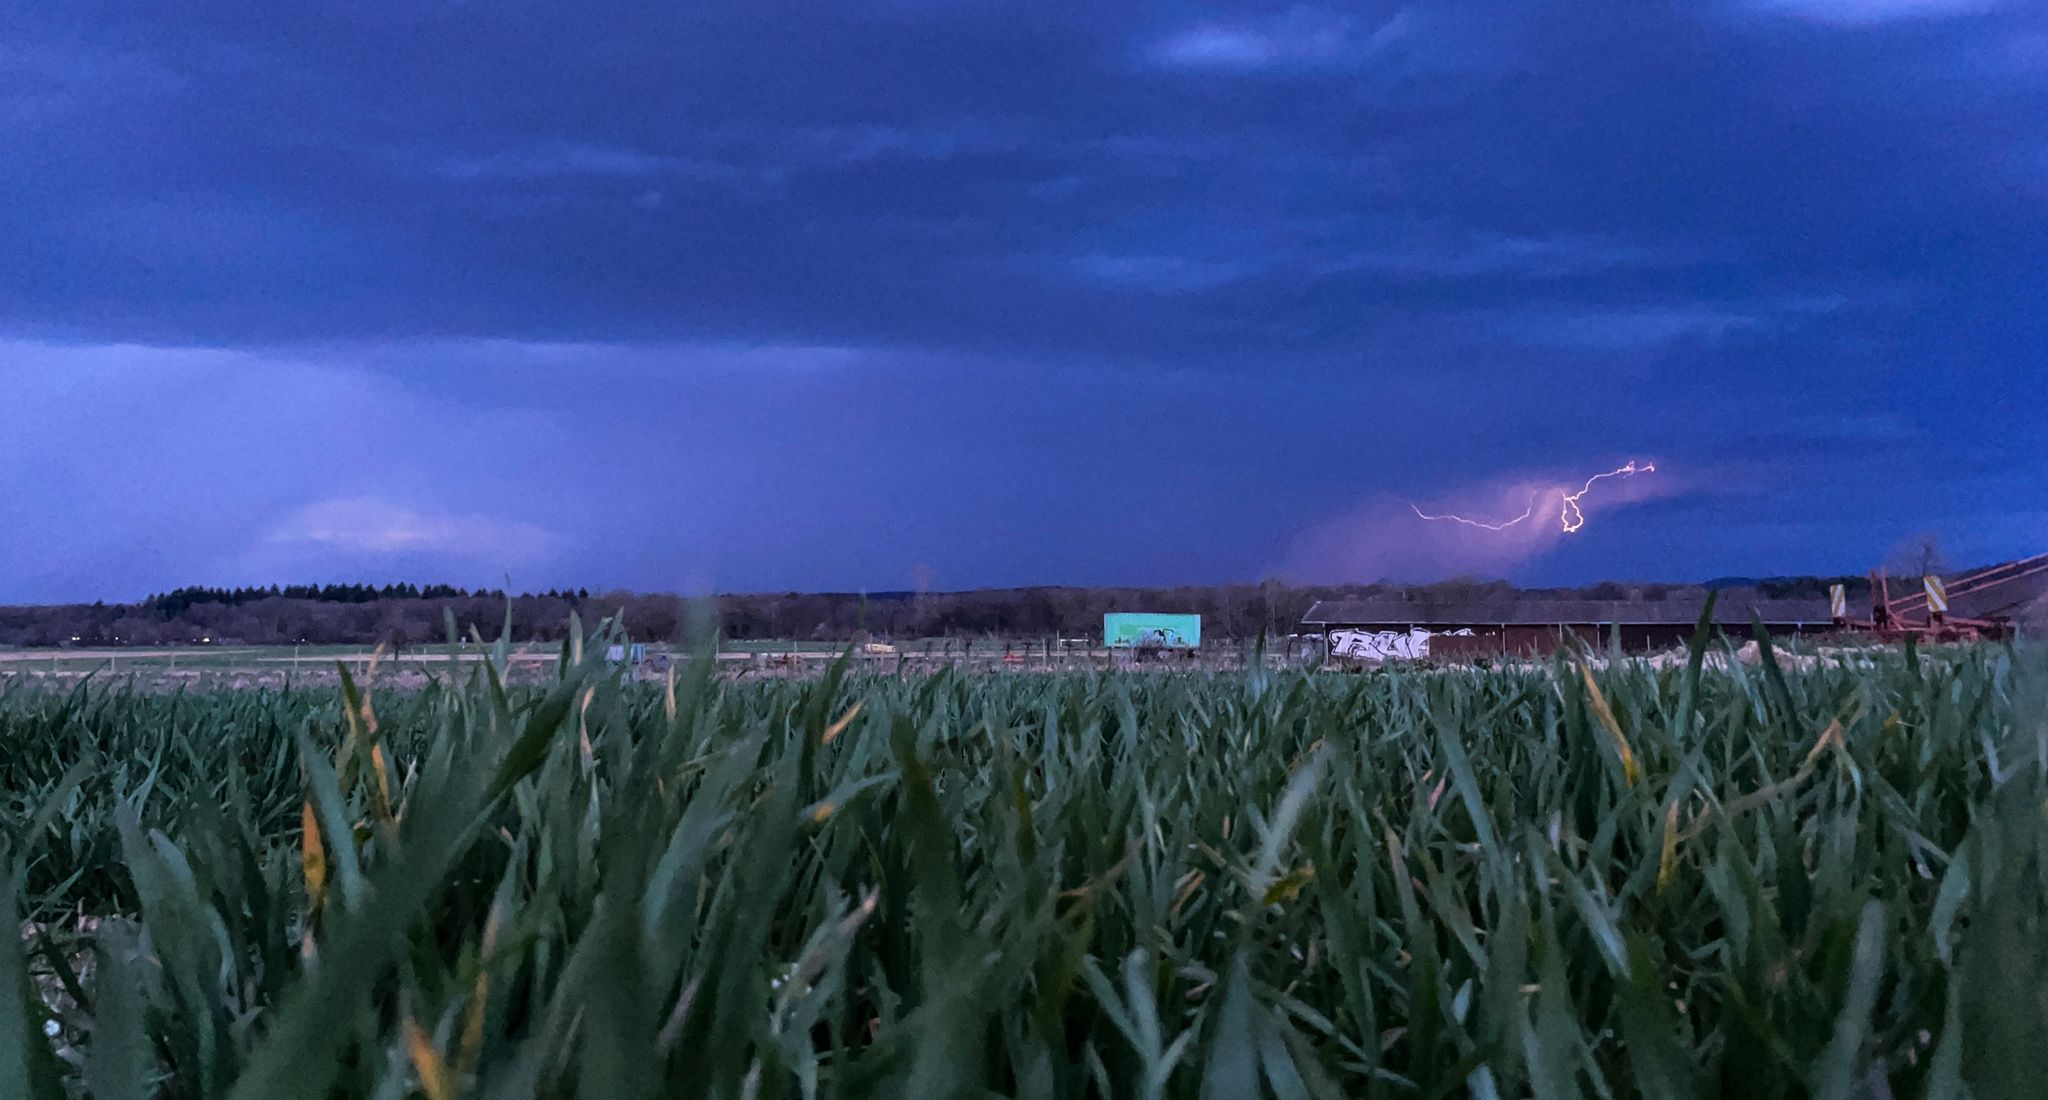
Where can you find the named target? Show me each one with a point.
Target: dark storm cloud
(1790, 246)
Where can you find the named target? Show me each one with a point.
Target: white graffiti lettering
(1388, 645)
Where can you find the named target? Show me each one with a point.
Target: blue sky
(778, 295)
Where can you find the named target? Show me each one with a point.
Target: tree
(1918, 556)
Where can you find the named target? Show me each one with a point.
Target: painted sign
(1937, 595)
(1388, 645)
(1126, 630)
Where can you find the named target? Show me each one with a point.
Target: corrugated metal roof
(1511, 611)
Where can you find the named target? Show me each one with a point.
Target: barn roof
(1510, 610)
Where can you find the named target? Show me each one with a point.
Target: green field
(206, 667)
(167, 657)
(1706, 879)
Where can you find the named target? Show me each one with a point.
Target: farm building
(1384, 628)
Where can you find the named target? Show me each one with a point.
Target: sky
(791, 296)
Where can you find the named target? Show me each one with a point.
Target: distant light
(206, 639)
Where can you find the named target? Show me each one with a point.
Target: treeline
(412, 616)
(280, 619)
(174, 603)
(1807, 588)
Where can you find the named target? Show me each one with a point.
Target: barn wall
(1532, 641)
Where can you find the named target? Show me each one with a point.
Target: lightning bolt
(1569, 517)
(1526, 513)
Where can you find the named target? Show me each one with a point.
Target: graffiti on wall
(1123, 630)
(1388, 645)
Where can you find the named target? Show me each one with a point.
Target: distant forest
(175, 602)
(408, 615)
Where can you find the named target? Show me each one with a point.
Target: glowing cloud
(374, 525)
(1389, 538)
(1569, 516)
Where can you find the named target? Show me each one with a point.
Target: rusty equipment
(1894, 620)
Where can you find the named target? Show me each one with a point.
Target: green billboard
(1125, 630)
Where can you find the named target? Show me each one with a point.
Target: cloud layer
(1070, 294)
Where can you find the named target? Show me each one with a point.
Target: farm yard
(240, 667)
(1726, 874)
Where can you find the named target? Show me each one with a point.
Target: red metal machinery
(1891, 620)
